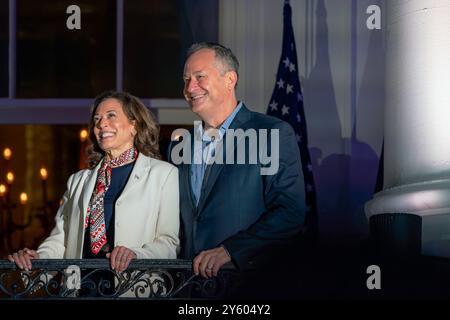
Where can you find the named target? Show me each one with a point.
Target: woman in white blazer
(126, 206)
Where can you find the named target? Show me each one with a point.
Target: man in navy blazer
(239, 210)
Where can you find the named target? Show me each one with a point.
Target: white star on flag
(287, 92)
(291, 67)
(280, 83)
(273, 106)
(289, 88)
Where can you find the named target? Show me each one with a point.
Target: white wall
(253, 30)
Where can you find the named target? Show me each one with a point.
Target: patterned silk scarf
(95, 213)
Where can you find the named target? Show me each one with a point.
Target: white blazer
(146, 213)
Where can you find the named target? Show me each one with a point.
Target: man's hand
(120, 258)
(208, 262)
(23, 258)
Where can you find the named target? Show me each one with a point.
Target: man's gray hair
(223, 55)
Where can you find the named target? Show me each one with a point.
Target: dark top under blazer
(249, 213)
(119, 178)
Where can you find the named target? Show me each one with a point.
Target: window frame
(53, 111)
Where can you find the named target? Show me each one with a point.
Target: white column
(417, 119)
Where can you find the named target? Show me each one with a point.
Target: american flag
(287, 104)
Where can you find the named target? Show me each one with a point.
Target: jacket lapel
(185, 175)
(184, 171)
(141, 166)
(88, 188)
(213, 171)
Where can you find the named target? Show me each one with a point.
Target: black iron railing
(94, 279)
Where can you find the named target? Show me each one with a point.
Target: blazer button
(117, 224)
(118, 203)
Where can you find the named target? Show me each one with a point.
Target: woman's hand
(120, 258)
(23, 258)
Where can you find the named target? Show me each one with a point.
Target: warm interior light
(7, 153)
(43, 173)
(83, 135)
(10, 177)
(2, 190)
(23, 198)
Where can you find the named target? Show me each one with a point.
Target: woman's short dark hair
(146, 139)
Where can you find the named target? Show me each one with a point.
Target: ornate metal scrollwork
(93, 279)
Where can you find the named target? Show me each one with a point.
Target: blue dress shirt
(208, 147)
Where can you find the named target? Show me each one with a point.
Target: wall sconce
(23, 198)
(10, 177)
(7, 153)
(83, 135)
(9, 208)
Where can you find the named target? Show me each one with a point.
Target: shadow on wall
(344, 181)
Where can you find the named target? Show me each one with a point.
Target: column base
(396, 235)
(428, 200)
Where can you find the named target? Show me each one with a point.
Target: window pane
(4, 48)
(156, 36)
(53, 61)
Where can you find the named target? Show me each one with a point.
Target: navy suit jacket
(248, 213)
